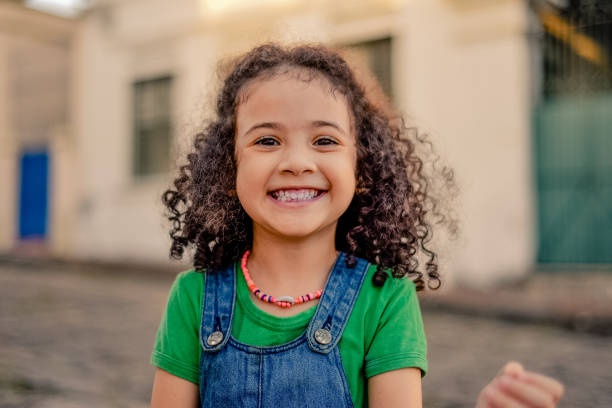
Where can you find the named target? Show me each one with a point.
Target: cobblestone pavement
(82, 338)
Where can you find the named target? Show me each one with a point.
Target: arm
(397, 388)
(173, 392)
(396, 357)
(176, 352)
(516, 387)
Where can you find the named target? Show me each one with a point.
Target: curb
(122, 268)
(582, 314)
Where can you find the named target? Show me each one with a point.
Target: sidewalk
(580, 301)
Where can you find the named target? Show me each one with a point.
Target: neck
(291, 267)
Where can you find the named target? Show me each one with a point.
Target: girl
(307, 212)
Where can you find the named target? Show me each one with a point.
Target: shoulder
(386, 322)
(378, 305)
(392, 288)
(188, 280)
(187, 287)
(393, 306)
(177, 344)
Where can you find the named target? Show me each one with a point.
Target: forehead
(293, 90)
(286, 73)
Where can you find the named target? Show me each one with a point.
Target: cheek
(243, 195)
(250, 181)
(353, 166)
(344, 173)
(242, 183)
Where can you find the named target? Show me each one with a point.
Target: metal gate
(573, 132)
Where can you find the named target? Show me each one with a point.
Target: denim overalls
(306, 372)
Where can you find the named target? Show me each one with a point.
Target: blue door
(33, 195)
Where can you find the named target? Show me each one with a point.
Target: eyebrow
(263, 125)
(324, 123)
(277, 126)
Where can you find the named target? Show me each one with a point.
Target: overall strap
(217, 308)
(336, 304)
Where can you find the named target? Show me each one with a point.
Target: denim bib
(306, 372)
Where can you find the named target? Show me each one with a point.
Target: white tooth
(295, 195)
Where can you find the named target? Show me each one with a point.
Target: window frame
(156, 122)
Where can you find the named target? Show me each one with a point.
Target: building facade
(37, 147)
(143, 72)
(460, 70)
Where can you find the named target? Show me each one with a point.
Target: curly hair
(386, 222)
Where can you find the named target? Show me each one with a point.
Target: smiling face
(296, 157)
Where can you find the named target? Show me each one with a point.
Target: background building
(572, 143)
(37, 148)
(514, 94)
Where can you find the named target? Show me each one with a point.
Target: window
(376, 55)
(152, 125)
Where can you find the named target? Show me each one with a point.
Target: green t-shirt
(384, 331)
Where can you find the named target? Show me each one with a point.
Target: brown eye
(325, 141)
(267, 141)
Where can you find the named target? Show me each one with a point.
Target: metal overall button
(215, 338)
(323, 336)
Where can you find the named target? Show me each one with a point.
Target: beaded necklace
(281, 301)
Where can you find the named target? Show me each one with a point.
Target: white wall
(460, 72)
(467, 78)
(8, 156)
(35, 51)
(120, 215)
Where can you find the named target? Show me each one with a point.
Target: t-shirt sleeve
(177, 345)
(399, 341)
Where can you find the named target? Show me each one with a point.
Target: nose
(296, 160)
